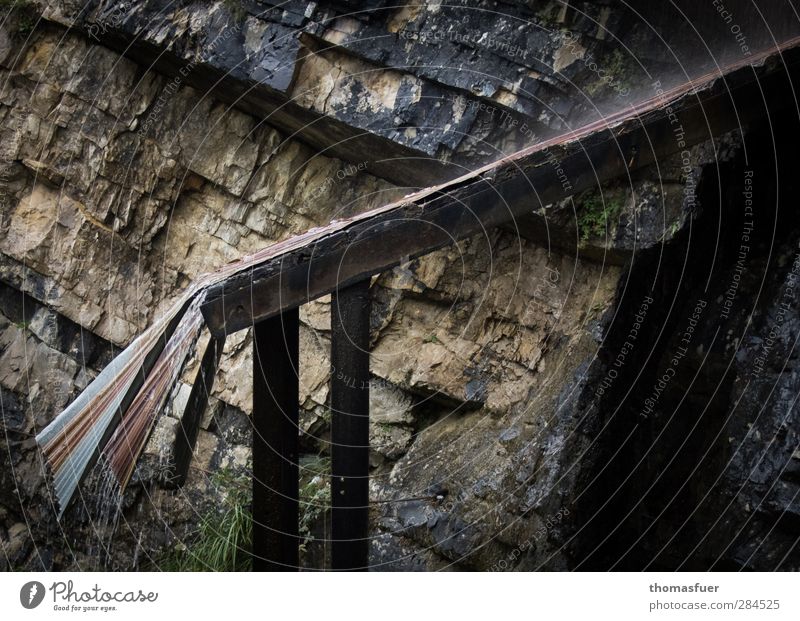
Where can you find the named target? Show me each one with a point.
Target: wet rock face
(432, 87)
(41, 355)
(766, 512)
(433, 84)
(708, 408)
(120, 185)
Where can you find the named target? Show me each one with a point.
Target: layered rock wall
(224, 127)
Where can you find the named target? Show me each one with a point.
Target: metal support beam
(275, 443)
(350, 427)
(196, 405)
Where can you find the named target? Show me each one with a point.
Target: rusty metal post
(350, 427)
(275, 443)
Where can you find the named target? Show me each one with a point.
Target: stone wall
(105, 220)
(122, 187)
(126, 177)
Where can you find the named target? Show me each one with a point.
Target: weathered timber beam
(350, 308)
(510, 189)
(276, 487)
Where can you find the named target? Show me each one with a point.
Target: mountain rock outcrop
(145, 144)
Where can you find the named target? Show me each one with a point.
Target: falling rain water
(106, 514)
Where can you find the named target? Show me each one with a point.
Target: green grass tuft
(223, 540)
(315, 494)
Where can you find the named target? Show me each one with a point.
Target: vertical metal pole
(350, 427)
(275, 443)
